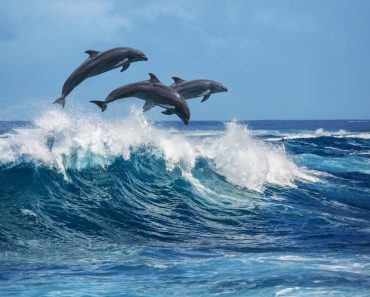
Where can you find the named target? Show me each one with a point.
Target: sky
(288, 59)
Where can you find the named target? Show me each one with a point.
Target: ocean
(129, 207)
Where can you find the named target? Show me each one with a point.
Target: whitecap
(63, 141)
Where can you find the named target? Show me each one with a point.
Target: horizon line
(237, 120)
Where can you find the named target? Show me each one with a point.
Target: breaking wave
(68, 143)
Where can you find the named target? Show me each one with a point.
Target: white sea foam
(323, 133)
(251, 163)
(28, 212)
(360, 135)
(286, 291)
(63, 141)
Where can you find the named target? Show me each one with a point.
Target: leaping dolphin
(154, 93)
(98, 63)
(197, 88)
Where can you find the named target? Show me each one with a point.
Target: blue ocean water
(126, 207)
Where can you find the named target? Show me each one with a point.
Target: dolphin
(154, 93)
(197, 88)
(98, 63)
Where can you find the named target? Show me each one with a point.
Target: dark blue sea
(129, 207)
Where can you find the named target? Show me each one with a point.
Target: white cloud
(54, 20)
(238, 41)
(156, 9)
(284, 20)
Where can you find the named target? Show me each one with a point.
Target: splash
(250, 163)
(61, 141)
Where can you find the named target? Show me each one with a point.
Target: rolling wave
(84, 179)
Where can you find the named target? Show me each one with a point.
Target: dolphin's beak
(224, 89)
(139, 56)
(183, 117)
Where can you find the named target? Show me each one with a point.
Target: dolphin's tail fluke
(101, 104)
(61, 101)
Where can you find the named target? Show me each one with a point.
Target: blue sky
(307, 59)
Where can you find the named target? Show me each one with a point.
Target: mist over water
(130, 207)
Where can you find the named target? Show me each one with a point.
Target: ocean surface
(128, 207)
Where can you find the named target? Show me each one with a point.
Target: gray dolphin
(154, 93)
(98, 63)
(197, 87)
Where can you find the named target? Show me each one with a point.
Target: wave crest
(61, 141)
(251, 163)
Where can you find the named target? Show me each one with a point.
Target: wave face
(137, 206)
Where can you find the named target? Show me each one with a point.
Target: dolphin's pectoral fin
(168, 112)
(148, 105)
(206, 97)
(177, 80)
(153, 78)
(92, 53)
(125, 66)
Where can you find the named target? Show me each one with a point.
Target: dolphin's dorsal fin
(177, 79)
(153, 78)
(91, 53)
